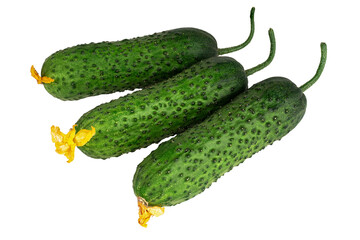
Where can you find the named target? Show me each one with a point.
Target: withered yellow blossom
(145, 212)
(65, 143)
(38, 78)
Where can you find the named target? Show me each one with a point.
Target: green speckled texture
(99, 68)
(189, 163)
(164, 109)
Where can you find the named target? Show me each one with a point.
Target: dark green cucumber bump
(164, 109)
(106, 67)
(189, 163)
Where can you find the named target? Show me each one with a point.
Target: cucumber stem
(269, 59)
(319, 70)
(222, 51)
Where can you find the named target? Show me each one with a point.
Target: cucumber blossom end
(38, 78)
(145, 212)
(65, 143)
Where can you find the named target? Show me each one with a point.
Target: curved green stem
(269, 59)
(222, 51)
(319, 70)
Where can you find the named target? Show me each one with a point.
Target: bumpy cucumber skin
(164, 109)
(189, 163)
(98, 68)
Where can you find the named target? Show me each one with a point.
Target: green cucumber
(149, 115)
(106, 67)
(187, 164)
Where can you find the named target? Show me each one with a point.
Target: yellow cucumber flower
(145, 212)
(65, 143)
(39, 79)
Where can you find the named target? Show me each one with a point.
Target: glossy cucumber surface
(106, 67)
(164, 109)
(189, 163)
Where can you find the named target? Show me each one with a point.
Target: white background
(305, 186)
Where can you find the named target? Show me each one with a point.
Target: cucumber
(149, 115)
(106, 67)
(186, 165)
